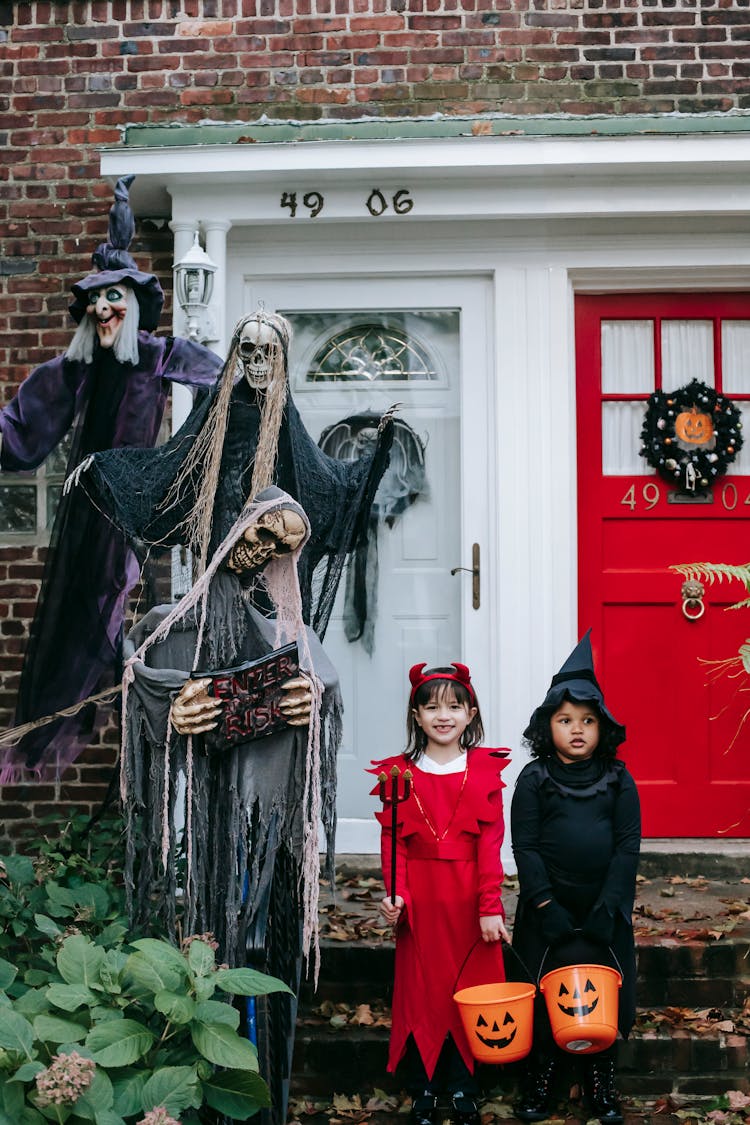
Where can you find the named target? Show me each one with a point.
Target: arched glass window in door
(371, 352)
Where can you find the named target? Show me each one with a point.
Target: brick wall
(72, 74)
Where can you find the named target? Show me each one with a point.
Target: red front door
(686, 746)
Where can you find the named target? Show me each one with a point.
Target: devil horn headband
(460, 676)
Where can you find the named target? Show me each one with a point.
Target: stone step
(656, 1063)
(689, 974)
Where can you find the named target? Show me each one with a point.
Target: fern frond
(744, 604)
(715, 572)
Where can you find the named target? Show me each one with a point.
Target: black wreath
(690, 466)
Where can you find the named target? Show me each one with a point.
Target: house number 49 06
(377, 202)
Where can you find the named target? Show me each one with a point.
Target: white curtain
(735, 362)
(687, 352)
(627, 357)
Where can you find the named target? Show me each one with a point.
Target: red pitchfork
(396, 798)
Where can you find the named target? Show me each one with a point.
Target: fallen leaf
(363, 1016)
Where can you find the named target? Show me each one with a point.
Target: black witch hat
(575, 681)
(114, 265)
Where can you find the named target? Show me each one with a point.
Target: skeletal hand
(193, 710)
(387, 417)
(75, 476)
(296, 704)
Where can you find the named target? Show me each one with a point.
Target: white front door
(359, 346)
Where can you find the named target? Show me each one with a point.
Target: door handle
(473, 570)
(692, 599)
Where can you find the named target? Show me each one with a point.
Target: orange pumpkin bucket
(498, 1020)
(582, 1006)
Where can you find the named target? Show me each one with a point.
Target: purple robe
(74, 643)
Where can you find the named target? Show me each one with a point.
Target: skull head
(258, 342)
(275, 534)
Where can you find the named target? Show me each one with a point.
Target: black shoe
(464, 1110)
(536, 1102)
(601, 1092)
(424, 1110)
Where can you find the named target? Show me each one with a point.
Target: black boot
(424, 1110)
(601, 1093)
(464, 1110)
(536, 1102)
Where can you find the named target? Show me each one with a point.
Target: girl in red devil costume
(447, 910)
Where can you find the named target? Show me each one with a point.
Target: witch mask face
(107, 308)
(257, 346)
(275, 534)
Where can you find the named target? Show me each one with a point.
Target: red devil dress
(449, 872)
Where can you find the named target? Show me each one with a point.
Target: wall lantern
(194, 283)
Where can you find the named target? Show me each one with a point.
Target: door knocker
(692, 599)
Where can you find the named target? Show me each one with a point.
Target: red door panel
(683, 747)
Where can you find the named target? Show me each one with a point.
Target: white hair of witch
(125, 347)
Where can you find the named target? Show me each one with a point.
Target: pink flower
(738, 1100)
(65, 1079)
(158, 1116)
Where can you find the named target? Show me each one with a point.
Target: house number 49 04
(377, 202)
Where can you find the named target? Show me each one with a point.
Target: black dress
(576, 833)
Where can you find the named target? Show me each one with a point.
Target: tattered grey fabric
(247, 800)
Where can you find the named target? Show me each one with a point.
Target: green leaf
(112, 968)
(201, 958)
(27, 1072)
(128, 1091)
(108, 1117)
(119, 1042)
(33, 1001)
(51, 1029)
(79, 961)
(47, 926)
(214, 1011)
(148, 976)
(223, 1047)
(177, 1008)
(111, 934)
(19, 869)
(236, 1094)
(16, 1033)
(161, 952)
(93, 900)
(69, 996)
(98, 1098)
(249, 982)
(8, 974)
(204, 987)
(174, 1087)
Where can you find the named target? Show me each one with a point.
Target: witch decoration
(403, 482)
(111, 387)
(250, 849)
(691, 435)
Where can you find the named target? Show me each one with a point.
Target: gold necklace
(426, 818)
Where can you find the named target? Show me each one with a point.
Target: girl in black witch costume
(576, 831)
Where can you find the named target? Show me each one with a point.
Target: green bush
(152, 1023)
(97, 1027)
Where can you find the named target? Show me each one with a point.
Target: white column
(536, 489)
(216, 248)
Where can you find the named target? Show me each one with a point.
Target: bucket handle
(506, 945)
(576, 932)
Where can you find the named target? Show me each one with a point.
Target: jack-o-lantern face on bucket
(584, 1003)
(691, 427)
(493, 1037)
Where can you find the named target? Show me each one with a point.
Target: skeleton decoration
(110, 390)
(275, 534)
(251, 810)
(403, 482)
(244, 437)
